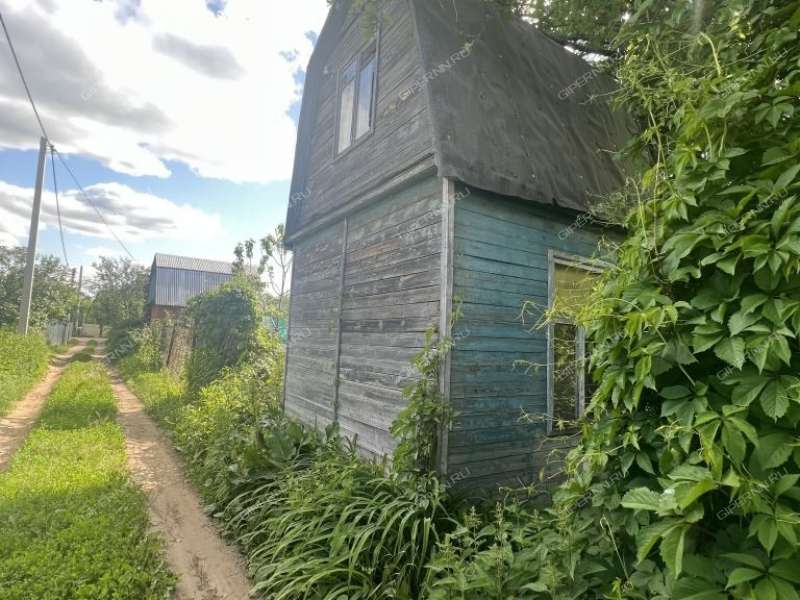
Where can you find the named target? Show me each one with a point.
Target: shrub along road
(22, 416)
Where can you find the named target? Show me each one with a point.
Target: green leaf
(748, 390)
(740, 321)
(787, 569)
(767, 533)
(731, 350)
(746, 559)
(733, 442)
(785, 591)
(774, 156)
(773, 450)
(642, 499)
(696, 491)
(752, 302)
(697, 589)
(774, 400)
(672, 548)
(742, 575)
(784, 484)
(674, 392)
(786, 178)
(648, 537)
(645, 463)
(765, 590)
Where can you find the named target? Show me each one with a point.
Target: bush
(137, 350)
(23, 360)
(685, 484)
(225, 324)
(123, 339)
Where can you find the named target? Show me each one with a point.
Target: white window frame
(358, 60)
(556, 257)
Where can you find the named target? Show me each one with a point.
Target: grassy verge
(162, 394)
(309, 516)
(23, 361)
(73, 525)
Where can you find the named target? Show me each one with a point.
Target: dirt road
(14, 427)
(207, 568)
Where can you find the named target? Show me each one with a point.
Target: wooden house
(447, 157)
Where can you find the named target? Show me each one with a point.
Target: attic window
(569, 381)
(356, 98)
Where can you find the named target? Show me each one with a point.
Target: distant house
(449, 159)
(174, 280)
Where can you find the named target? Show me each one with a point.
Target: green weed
(73, 525)
(23, 360)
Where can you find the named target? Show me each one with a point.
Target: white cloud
(133, 216)
(134, 83)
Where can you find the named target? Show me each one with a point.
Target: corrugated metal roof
(171, 261)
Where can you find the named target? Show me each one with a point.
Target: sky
(178, 118)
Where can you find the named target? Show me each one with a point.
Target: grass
(23, 361)
(73, 524)
(162, 393)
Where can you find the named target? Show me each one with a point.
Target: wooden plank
(446, 311)
(423, 294)
(413, 340)
(396, 283)
(397, 311)
(338, 358)
(388, 325)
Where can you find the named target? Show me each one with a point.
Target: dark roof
(174, 280)
(512, 111)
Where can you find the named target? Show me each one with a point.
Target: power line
(58, 204)
(22, 76)
(92, 204)
(61, 158)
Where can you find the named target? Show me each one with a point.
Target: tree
(275, 260)
(120, 291)
(54, 294)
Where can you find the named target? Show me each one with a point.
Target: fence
(59, 333)
(89, 330)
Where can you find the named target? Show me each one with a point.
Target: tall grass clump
(317, 521)
(23, 360)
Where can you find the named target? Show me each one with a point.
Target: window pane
(346, 100)
(365, 89)
(565, 372)
(589, 386)
(573, 287)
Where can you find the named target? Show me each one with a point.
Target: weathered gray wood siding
(313, 327)
(500, 261)
(390, 296)
(401, 136)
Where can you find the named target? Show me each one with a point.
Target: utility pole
(80, 286)
(33, 237)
